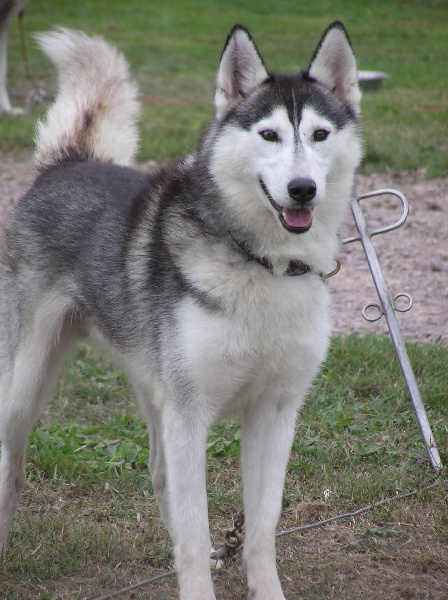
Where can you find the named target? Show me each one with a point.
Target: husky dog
(206, 280)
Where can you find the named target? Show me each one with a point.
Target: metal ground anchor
(387, 307)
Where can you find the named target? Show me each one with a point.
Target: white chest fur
(269, 341)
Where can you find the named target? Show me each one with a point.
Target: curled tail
(94, 116)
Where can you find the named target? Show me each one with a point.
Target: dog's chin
(294, 220)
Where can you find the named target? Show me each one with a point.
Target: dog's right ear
(241, 70)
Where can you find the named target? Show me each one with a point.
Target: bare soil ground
(413, 259)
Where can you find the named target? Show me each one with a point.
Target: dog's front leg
(267, 436)
(185, 438)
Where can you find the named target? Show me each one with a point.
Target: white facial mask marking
(295, 155)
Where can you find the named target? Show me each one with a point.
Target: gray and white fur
(205, 280)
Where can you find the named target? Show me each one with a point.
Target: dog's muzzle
(295, 219)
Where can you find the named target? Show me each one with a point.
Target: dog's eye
(320, 135)
(269, 136)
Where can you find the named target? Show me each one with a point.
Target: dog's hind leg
(150, 404)
(29, 366)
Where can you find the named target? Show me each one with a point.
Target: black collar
(295, 267)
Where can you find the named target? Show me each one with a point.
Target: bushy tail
(96, 110)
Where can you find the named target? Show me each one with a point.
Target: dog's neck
(295, 267)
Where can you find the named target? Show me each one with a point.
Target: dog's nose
(302, 189)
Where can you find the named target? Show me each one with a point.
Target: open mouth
(295, 220)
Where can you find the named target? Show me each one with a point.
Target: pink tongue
(298, 217)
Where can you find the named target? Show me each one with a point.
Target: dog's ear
(334, 65)
(241, 70)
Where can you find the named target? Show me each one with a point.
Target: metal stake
(388, 308)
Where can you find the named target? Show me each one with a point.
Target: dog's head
(290, 137)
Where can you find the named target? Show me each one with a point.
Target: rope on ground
(286, 532)
(358, 511)
(130, 588)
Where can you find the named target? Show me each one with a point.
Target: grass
(174, 50)
(88, 521)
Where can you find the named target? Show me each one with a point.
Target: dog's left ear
(334, 65)
(241, 70)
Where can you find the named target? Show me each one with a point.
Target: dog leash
(218, 555)
(295, 267)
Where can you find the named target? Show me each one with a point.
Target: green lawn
(174, 49)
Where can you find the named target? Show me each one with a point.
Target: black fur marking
(88, 120)
(294, 92)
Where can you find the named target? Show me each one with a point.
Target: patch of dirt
(15, 179)
(366, 559)
(413, 259)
